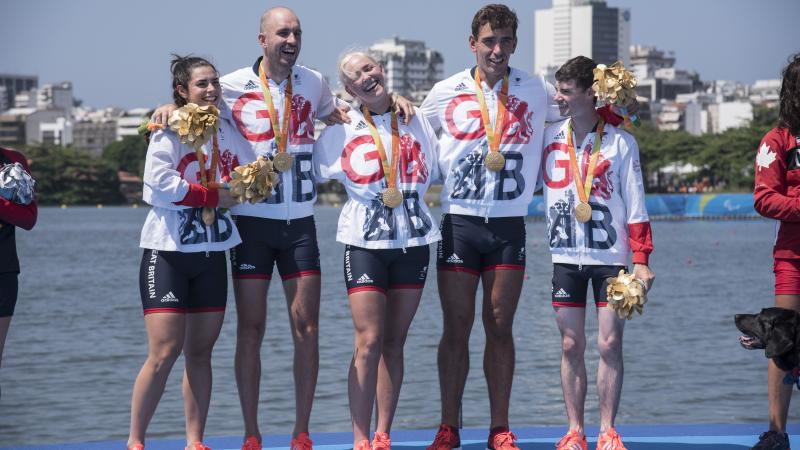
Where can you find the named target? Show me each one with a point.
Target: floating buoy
(135, 205)
(99, 206)
(63, 206)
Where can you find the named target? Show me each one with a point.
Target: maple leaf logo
(765, 157)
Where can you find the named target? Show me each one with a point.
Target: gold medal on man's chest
(282, 161)
(391, 197)
(495, 161)
(583, 212)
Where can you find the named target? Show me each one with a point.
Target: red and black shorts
(787, 276)
(472, 244)
(267, 242)
(383, 269)
(9, 285)
(570, 283)
(177, 282)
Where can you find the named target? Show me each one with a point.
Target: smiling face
(280, 37)
(572, 99)
(203, 88)
(493, 49)
(364, 78)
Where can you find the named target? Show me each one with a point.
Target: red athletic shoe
(197, 446)
(381, 441)
(610, 440)
(503, 440)
(363, 445)
(446, 439)
(138, 446)
(251, 443)
(572, 441)
(301, 442)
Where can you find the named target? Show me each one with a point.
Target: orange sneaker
(138, 446)
(301, 442)
(251, 443)
(503, 440)
(447, 438)
(610, 440)
(197, 446)
(572, 441)
(363, 445)
(381, 441)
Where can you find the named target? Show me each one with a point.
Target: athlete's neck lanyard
(493, 133)
(584, 185)
(281, 131)
(207, 176)
(389, 171)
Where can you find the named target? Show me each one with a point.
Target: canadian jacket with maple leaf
(777, 188)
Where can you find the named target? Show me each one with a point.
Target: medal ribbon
(390, 172)
(281, 132)
(207, 176)
(494, 138)
(586, 189)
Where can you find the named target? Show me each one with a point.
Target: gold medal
(391, 197)
(583, 212)
(495, 161)
(282, 161)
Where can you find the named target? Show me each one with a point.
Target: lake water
(78, 340)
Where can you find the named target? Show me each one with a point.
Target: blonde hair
(344, 75)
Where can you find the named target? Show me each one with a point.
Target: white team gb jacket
(295, 195)
(469, 188)
(617, 198)
(348, 153)
(169, 169)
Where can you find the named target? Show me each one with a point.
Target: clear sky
(116, 52)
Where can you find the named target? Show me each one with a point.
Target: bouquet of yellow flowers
(626, 294)
(616, 85)
(253, 182)
(194, 124)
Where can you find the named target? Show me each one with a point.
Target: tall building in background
(580, 27)
(411, 68)
(15, 84)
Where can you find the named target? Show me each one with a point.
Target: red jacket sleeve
(772, 197)
(23, 216)
(607, 115)
(640, 237)
(199, 196)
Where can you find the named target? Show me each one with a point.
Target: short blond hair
(345, 75)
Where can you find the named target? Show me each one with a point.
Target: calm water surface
(78, 340)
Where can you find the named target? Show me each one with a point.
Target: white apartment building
(411, 68)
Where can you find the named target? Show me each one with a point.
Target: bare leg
(369, 311)
(202, 330)
(401, 308)
(251, 314)
(610, 370)
(457, 296)
(165, 333)
(780, 394)
(302, 299)
(5, 323)
(571, 323)
(501, 290)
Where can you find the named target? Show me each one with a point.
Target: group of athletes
(481, 133)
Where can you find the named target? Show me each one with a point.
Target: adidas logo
(170, 297)
(361, 125)
(561, 294)
(560, 135)
(246, 266)
(250, 85)
(364, 279)
(460, 87)
(454, 259)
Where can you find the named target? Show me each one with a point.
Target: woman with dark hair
(183, 275)
(777, 196)
(15, 211)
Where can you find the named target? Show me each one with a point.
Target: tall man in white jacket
(596, 217)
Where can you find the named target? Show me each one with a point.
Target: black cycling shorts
(570, 284)
(473, 245)
(380, 270)
(9, 286)
(177, 282)
(265, 242)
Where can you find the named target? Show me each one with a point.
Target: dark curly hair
(789, 113)
(181, 68)
(497, 16)
(580, 69)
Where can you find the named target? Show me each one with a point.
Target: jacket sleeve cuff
(199, 196)
(641, 258)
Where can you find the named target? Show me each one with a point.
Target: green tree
(127, 154)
